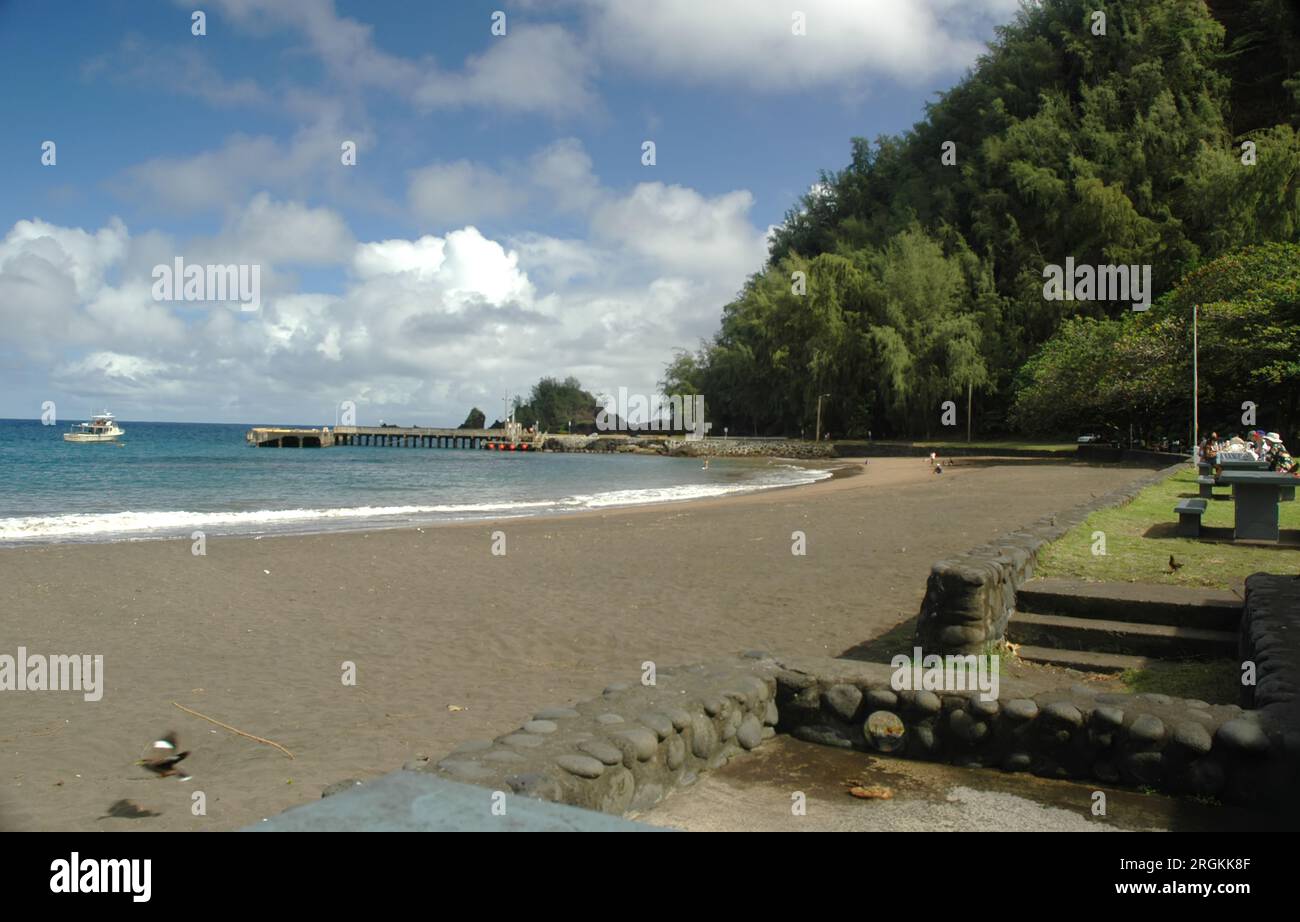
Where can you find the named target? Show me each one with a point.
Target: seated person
(1279, 459)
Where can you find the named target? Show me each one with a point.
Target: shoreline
(362, 524)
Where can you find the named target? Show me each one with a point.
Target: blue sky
(499, 223)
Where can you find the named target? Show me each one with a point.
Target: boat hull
(82, 437)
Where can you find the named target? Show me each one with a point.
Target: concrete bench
(1207, 485)
(1189, 517)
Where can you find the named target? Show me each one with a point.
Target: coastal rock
(1147, 728)
(644, 742)
(580, 765)
(1021, 709)
(1193, 737)
(927, 702)
(1144, 767)
(1064, 713)
(881, 699)
(922, 739)
(750, 733)
(619, 788)
(703, 737)
(732, 725)
(1108, 716)
(842, 701)
(661, 724)
(885, 731)
(610, 755)
(1243, 735)
(676, 755)
(967, 728)
(681, 718)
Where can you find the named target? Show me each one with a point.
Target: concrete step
(1096, 635)
(1082, 660)
(1142, 603)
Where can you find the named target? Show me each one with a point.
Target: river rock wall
(970, 598)
(631, 746)
(1178, 745)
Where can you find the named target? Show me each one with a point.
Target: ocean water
(170, 479)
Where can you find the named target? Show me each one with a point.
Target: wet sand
(450, 642)
(754, 794)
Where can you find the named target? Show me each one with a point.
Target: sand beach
(449, 641)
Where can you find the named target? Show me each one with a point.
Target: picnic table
(1226, 461)
(1255, 498)
(1239, 461)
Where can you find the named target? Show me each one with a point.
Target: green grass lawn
(1217, 681)
(1139, 540)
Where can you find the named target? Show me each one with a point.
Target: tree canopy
(1137, 370)
(909, 277)
(553, 404)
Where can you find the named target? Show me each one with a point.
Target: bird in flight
(165, 763)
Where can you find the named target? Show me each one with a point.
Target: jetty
(510, 438)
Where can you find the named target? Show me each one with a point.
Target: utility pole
(819, 417)
(969, 394)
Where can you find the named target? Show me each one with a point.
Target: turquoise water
(168, 479)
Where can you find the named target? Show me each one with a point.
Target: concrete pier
(510, 438)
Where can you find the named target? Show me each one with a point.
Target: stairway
(1110, 627)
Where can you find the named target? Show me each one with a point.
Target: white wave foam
(91, 526)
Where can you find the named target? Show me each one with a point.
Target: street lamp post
(819, 417)
(1196, 390)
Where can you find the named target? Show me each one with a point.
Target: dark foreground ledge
(420, 802)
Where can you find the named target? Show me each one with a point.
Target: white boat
(101, 428)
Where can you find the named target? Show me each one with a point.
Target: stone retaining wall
(628, 748)
(1270, 638)
(744, 448)
(1108, 454)
(970, 598)
(1177, 745)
